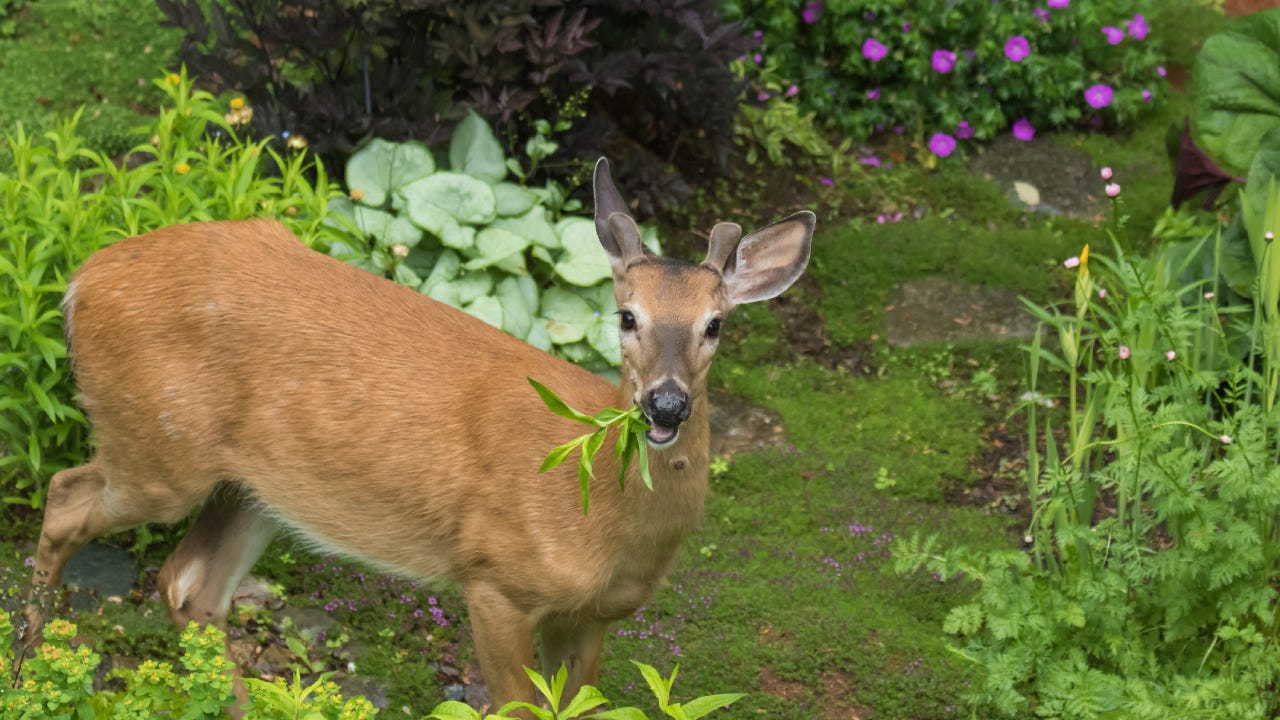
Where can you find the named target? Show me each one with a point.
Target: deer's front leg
(577, 643)
(504, 643)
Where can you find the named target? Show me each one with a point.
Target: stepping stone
(937, 310)
(1041, 176)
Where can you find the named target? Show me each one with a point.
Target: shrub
(957, 68)
(339, 71)
(60, 201)
(1149, 590)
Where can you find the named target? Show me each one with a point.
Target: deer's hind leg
(84, 503)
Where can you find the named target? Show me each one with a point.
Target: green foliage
(512, 255)
(60, 201)
(631, 440)
(820, 46)
(589, 698)
(1149, 588)
(775, 124)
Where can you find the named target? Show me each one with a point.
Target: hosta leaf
(512, 199)
(538, 335)
(380, 168)
(532, 226)
(517, 310)
(603, 336)
(568, 316)
(474, 150)
(495, 244)
(468, 200)
(473, 285)
(583, 262)
(487, 308)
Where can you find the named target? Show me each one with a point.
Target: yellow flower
(297, 142)
(237, 103)
(172, 78)
(182, 168)
(1084, 257)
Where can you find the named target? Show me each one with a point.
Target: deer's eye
(713, 328)
(628, 321)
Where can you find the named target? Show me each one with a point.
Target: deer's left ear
(764, 263)
(617, 230)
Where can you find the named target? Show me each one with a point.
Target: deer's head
(670, 313)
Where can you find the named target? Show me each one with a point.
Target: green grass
(99, 54)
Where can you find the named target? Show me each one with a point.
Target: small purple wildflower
(899, 129)
(757, 58)
(1059, 4)
(1146, 96)
(1114, 34)
(871, 160)
(1017, 48)
(943, 61)
(1023, 130)
(827, 181)
(1098, 96)
(906, 27)
(811, 13)
(792, 91)
(1161, 71)
(964, 130)
(29, 562)
(1138, 27)
(942, 144)
(758, 36)
(1042, 15)
(873, 94)
(762, 95)
(874, 50)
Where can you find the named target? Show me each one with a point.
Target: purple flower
(1161, 71)
(942, 144)
(762, 95)
(1114, 34)
(1024, 130)
(873, 94)
(964, 130)
(757, 58)
(1017, 48)
(871, 160)
(758, 36)
(1041, 14)
(827, 181)
(811, 13)
(1098, 96)
(874, 50)
(793, 90)
(1138, 27)
(906, 27)
(29, 561)
(1146, 96)
(1059, 4)
(943, 61)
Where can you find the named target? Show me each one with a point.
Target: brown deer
(226, 366)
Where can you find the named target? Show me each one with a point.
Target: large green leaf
(513, 199)
(568, 316)
(386, 229)
(473, 285)
(584, 262)
(380, 168)
(1235, 87)
(467, 199)
(495, 244)
(533, 226)
(518, 304)
(486, 308)
(445, 269)
(475, 151)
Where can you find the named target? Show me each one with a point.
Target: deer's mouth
(660, 437)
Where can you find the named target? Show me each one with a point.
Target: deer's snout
(667, 405)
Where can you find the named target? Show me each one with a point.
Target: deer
(227, 368)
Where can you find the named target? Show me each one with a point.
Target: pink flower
(1042, 15)
(811, 13)
(1024, 130)
(1059, 4)
(942, 144)
(1124, 352)
(793, 91)
(1114, 34)
(757, 58)
(1102, 293)
(1071, 263)
(1017, 48)
(1146, 96)
(1171, 356)
(1208, 295)
(1105, 173)
(827, 181)
(874, 50)
(964, 130)
(1138, 27)
(1112, 190)
(943, 61)
(871, 160)
(1098, 96)
(873, 94)
(762, 95)
(1161, 71)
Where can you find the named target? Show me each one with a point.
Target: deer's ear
(764, 263)
(619, 235)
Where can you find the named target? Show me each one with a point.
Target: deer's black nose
(668, 405)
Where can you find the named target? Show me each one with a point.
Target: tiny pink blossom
(1114, 34)
(1112, 190)
(1225, 439)
(1171, 356)
(871, 160)
(964, 130)
(757, 58)
(1071, 263)
(1146, 96)
(1024, 130)
(873, 94)
(874, 50)
(1105, 173)
(827, 181)
(1124, 352)
(1161, 71)
(1102, 293)
(943, 61)
(1017, 48)
(793, 91)
(762, 95)
(1059, 4)
(1208, 295)
(1138, 27)
(811, 13)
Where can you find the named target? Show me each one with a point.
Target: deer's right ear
(764, 263)
(619, 235)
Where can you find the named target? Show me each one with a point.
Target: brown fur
(379, 424)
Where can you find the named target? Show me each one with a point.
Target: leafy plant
(958, 69)
(1148, 590)
(60, 201)
(588, 698)
(631, 440)
(338, 72)
(511, 255)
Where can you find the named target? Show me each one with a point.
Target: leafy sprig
(631, 440)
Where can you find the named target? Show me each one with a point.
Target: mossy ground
(786, 591)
